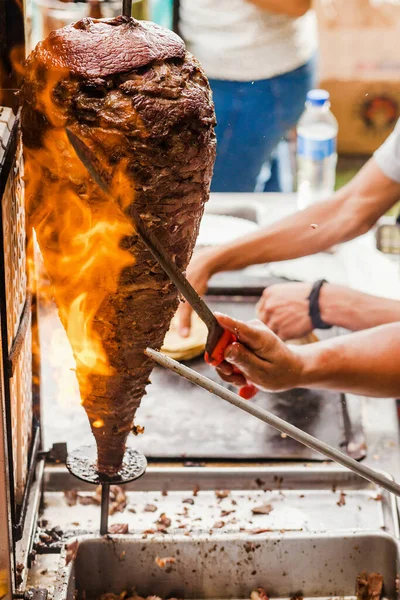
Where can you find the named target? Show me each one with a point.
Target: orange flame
(79, 231)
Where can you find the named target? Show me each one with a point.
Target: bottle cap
(317, 97)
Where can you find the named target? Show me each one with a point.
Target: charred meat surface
(133, 93)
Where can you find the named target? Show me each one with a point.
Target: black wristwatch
(313, 309)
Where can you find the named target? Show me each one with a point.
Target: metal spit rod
(105, 501)
(127, 8)
(82, 463)
(276, 422)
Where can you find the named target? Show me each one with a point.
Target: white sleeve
(388, 155)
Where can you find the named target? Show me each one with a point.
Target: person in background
(364, 362)
(259, 56)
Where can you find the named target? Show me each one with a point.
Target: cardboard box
(360, 67)
(366, 112)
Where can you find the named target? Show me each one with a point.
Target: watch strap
(314, 311)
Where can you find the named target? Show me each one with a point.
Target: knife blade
(218, 338)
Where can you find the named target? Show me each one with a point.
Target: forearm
(354, 310)
(365, 363)
(351, 211)
(289, 238)
(292, 8)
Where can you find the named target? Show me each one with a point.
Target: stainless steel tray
(303, 498)
(227, 567)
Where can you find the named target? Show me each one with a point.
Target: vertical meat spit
(82, 464)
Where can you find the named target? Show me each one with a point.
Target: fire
(79, 231)
(80, 241)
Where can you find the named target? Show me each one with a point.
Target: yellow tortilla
(180, 348)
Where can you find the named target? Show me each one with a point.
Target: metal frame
(20, 516)
(7, 554)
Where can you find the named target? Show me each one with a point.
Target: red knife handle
(247, 391)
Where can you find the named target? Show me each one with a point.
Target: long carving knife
(218, 338)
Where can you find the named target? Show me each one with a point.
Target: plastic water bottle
(161, 12)
(316, 150)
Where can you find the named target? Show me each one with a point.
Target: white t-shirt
(388, 155)
(236, 40)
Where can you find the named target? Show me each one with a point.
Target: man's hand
(284, 308)
(364, 363)
(198, 273)
(260, 355)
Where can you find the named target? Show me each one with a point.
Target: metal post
(105, 500)
(127, 8)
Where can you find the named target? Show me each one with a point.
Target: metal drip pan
(226, 567)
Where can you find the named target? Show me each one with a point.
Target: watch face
(388, 239)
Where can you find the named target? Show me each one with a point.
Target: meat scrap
(226, 513)
(71, 497)
(72, 551)
(126, 596)
(249, 547)
(164, 521)
(165, 563)
(88, 500)
(19, 570)
(137, 429)
(369, 586)
(259, 594)
(118, 499)
(342, 499)
(260, 530)
(377, 498)
(118, 528)
(264, 509)
(220, 494)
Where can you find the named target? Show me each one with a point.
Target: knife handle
(247, 391)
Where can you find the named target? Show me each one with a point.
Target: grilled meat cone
(133, 93)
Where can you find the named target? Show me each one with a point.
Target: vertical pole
(175, 16)
(105, 500)
(127, 8)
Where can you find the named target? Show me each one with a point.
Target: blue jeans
(252, 118)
